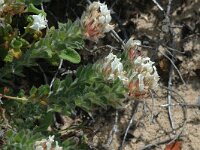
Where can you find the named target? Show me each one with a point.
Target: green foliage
(58, 44)
(24, 139)
(16, 66)
(62, 43)
(26, 115)
(88, 91)
(72, 145)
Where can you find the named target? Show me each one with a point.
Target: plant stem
(15, 98)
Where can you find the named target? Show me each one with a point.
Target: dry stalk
(114, 129)
(134, 110)
(55, 75)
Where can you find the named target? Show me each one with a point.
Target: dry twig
(172, 63)
(160, 7)
(55, 75)
(117, 38)
(134, 110)
(175, 137)
(114, 129)
(153, 103)
(169, 99)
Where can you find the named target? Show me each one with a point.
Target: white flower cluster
(113, 68)
(142, 74)
(39, 22)
(95, 21)
(47, 144)
(146, 72)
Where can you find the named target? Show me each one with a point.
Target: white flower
(111, 56)
(105, 18)
(132, 43)
(148, 66)
(109, 59)
(95, 21)
(153, 78)
(116, 65)
(47, 144)
(51, 138)
(131, 47)
(144, 64)
(111, 77)
(58, 147)
(138, 60)
(124, 79)
(112, 68)
(144, 74)
(39, 148)
(141, 82)
(39, 22)
(40, 142)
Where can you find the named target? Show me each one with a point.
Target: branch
(172, 62)
(14, 98)
(117, 38)
(55, 75)
(134, 109)
(114, 129)
(169, 97)
(160, 7)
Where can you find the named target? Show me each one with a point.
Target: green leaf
(43, 90)
(70, 55)
(46, 121)
(33, 9)
(23, 139)
(9, 57)
(33, 91)
(16, 43)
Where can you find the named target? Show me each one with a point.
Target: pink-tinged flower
(131, 47)
(144, 77)
(143, 74)
(95, 21)
(39, 22)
